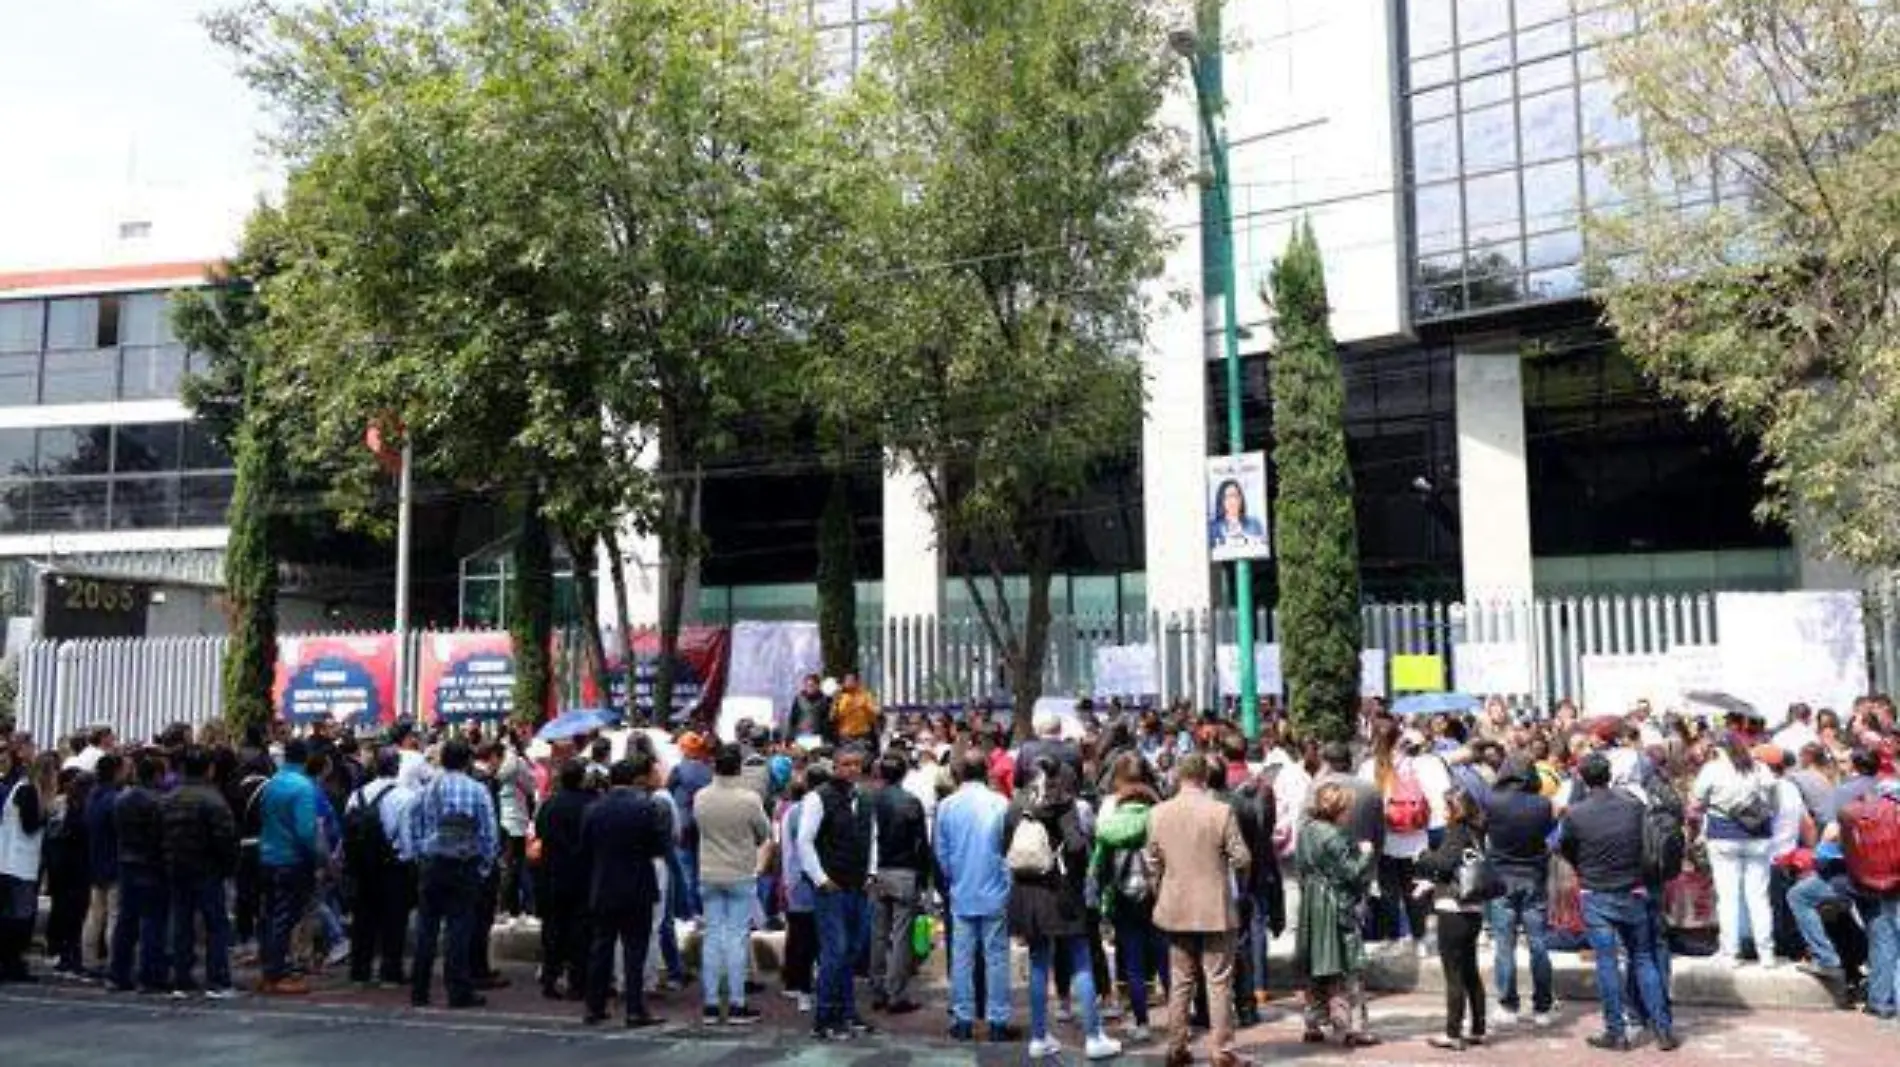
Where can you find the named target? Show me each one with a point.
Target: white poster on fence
(1125, 671)
(1237, 526)
(1266, 670)
(769, 658)
(1613, 684)
(1492, 668)
(1372, 672)
(1780, 648)
(1698, 670)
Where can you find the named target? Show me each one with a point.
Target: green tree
(1751, 267)
(1316, 533)
(531, 610)
(837, 580)
(232, 398)
(1004, 228)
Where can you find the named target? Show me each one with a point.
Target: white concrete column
(1494, 505)
(913, 561)
(1174, 423)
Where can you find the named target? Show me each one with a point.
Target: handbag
(1478, 882)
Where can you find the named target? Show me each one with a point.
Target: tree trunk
(250, 567)
(581, 548)
(617, 574)
(1026, 685)
(531, 612)
(678, 534)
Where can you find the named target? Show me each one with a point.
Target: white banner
(769, 658)
(1266, 670)
(1125, 671)
(1496, 668)
(1238, 525)
(1372, 672)
(1613, 684)
(1783, 648)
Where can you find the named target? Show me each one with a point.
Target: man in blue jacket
(970, 849)
(288, 852)
(102, 846)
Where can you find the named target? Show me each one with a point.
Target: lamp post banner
(1238, 525)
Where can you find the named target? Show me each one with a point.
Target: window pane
(1589, 64)
(1435, 71)
(151, 372)
(1435, 150)
(1551, 284)
(1491, 211)
(145, 319)
(1492, 276)
(1544, 41)
(202, 453)
(1428, 26)
(1561, 249)
(1599, 186)
(1490, 89)
(1490, 139)
(1439, 225)
(1484, 58)
(1603, 126)
(70, 450)
(16, 506)
(16, 453)
(144, 503)
(1532, 12)
(203, 501)
(69, 505)
(1550, 126)
(1434, 104)
(20, 322)
(72, 324)
(1550, 195)
(80, 377)
(1479, 19)
(147, 447)
(1545, 74)
(19, 379)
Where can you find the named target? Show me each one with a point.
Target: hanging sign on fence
(339, 678)
(1125, 671)
(1237, 525)
(1492, 668)
(467, 676)
(1612, 685)
(1372, 672)
(1266, 670)
(1783, 648)
(699, 673)
(1418, 674)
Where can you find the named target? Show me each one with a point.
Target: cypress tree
(1317, 536)
(250, 580)
(531, 612)
(837, 582)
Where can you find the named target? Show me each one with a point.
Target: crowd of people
(1135, 853)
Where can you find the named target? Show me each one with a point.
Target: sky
(114, 111)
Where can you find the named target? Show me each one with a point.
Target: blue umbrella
(1435, 703)
(578, 723)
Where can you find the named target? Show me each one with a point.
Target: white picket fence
(140, 685)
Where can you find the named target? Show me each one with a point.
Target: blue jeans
(144, 916)
(726, 948)
(1883, 957)
(685, 868)
(1041, 961)
(988, 934)
(844, 928)
(194, 899)
(1141, 952)
(1524, 903)
(287, 893)
(1614, 921)
(1804, 901)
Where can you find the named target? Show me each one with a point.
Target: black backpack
(366, 845)
(1665, 842)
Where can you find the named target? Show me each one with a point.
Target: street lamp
(1186, 43)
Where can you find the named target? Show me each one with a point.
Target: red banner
(350, 680)
(699, 673)
(466, 676)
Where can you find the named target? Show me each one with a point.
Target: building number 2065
(87, 595)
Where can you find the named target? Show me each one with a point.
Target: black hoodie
(1518, 824)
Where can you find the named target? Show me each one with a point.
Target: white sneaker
(1544, 1020)
(1426, 950)
(1111, 1011)
(1773, 963)
(1102, 1047)
(1138, 1034)
(339, 954)
(1064, 1013)
(220, 993)
(804, 1003)
(1503, 1017)
(1042, 1048)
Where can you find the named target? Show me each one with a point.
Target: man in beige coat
(1196, 852)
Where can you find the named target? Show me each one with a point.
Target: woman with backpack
(1447, 883)
(1413, 783)
(1127, 883)
(1048, 860)
(1736, 796)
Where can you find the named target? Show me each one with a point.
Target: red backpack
(1406, 809)
(1870, 838)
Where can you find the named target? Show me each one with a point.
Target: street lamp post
(1187, 44)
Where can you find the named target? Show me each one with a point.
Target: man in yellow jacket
(854, 712)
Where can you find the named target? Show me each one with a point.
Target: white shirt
(1794, 737)
(1789, 808)
(922, 784)
(87, 760)
(1434, 779)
